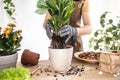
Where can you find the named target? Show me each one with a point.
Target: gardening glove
(67, 30)
(49, 31)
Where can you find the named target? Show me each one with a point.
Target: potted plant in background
(60, 10)
(107, 40)
(108, 37)
(10, 39)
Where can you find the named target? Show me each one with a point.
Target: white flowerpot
(61, 58)
(8, 61)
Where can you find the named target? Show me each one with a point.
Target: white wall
(1, 14)
(34, 35)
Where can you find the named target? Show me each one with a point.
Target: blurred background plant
(108, 37)
(10, 9)
(18, 73)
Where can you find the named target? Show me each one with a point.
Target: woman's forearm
(47, 16)
(87, 29)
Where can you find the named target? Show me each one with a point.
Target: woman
(74, 29)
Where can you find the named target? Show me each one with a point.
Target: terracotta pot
(29, 57)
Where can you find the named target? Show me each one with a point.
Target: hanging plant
(9, 8)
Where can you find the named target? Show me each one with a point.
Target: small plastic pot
(29, 58)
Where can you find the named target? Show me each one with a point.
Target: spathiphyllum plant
(60, 10)
(108, 37)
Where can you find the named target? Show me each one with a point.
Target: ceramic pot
(61, 58)
(8, 61)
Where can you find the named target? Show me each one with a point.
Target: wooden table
(91, 72)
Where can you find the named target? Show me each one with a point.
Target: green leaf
(102, 23)
(9, 12)
(100, 40)
(102, 19)
(118, 24)
(114, 27)
(96, 47)
(104, 15)
(8, 1)
(91, 39)
(3, 45)
(109, 29)
(41, 4)
(6, 7)
(40, 11)
(108, 40)
(114, 33)
(96, 34)
(110, 21)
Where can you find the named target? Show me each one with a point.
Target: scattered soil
(74, 70)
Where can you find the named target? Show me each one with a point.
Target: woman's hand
(67, 30)
(49, 31)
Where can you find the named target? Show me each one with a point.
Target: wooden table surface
(91, 72)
